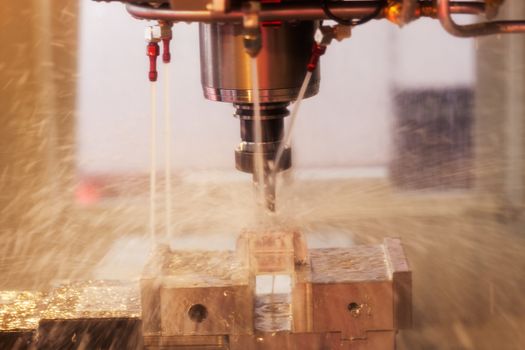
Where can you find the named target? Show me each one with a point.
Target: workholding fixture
(270, 293)
(336, 298)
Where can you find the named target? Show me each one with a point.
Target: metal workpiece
(333, 298)
(281, 63)
(277, 110)
(271, 292)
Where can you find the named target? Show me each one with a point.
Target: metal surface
(20, 309)
(68, 316)
(85, 299)
(337, 299)
(272, 125)
(477, 29)
(286, 12)
(281, 64)
(353, 298)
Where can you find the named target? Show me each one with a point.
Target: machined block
(207, 311)
(353, 298)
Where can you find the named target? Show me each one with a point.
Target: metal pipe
(467, 8)
(477, 29)
(268, 12)
(292, 11)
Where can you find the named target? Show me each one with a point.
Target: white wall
(347, 124)
(424, 55)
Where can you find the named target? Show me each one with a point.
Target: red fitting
(152, 52)
(317, 51)
(166, 54)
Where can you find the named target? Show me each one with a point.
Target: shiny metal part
(272, 125)
(337, 298)
(274, 95)
(83, 299)
(173, 283)
(69, 314)
(21, 309)
(93, 299)
(244, 157)
(225, 65)
(477, 29)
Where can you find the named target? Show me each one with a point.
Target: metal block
(352, 308)
(196, 294)
(207, 311)
(352, 298)
(351, 290)
(272, 252)
(340, 298)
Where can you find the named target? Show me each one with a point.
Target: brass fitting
(393, 12)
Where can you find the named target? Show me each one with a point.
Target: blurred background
(414, 134)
